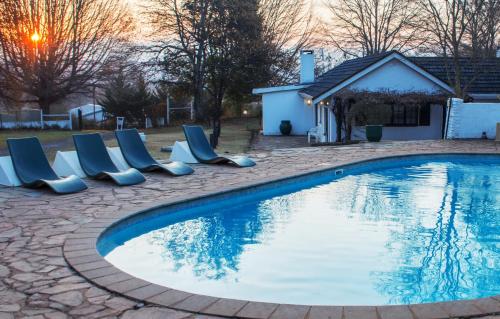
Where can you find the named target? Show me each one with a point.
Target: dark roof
(342, 72)
(481, 77)
(485, 81)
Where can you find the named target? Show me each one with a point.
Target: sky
(318, 7)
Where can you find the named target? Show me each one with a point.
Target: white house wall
(394, 76)
(470, 120)
(286, 105)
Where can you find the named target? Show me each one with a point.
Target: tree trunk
(44, 106)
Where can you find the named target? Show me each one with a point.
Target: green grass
(235, 138)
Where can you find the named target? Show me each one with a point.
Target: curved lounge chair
(33, 168)
(96, 163)
(137, 156)
(203, 152)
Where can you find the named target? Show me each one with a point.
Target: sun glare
(35, 37)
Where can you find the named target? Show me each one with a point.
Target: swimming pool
(395, 231)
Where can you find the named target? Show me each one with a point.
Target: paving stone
(395, 312)
(10, 307)
(70, 298)
(28, 277)
(56, 315)
(86, 310)
(225, 307)
(127, 285)
(95, 292)
(22, 266)
(352, 312)
(488, 305)
(120, 304)
(195, 303)
(34, 224)
(461, 308)
(169, 297)
(4, 271)
(155, 313)
(325, 312)
(429, 311)
(290, 312)
(146, 292)
(257, 310)
(62, 288)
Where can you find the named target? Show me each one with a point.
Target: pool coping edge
(81, 253)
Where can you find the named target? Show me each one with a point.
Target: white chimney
(306, 66)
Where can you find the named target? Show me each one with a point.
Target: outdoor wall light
(309, 102)
(245, 112)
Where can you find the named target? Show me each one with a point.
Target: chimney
(306, 66)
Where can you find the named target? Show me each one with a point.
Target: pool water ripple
(399, 231)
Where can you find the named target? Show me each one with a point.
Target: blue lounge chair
(97, 163)
(203, 152)
(137, 156)
(33, 168)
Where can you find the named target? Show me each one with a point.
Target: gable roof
(342, 72)
(435, 67)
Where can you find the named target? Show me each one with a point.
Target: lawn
(235, 138)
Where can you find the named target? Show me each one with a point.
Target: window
(425, 115)
(410, 115)
(394, 115)
(398, 115)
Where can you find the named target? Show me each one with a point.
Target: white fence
(59, 120)
(470, 120)
(34, 118)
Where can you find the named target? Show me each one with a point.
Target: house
(408, 95)
(90, 112)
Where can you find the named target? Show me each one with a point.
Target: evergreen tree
(130, 99)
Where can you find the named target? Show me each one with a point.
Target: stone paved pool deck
(37, 281)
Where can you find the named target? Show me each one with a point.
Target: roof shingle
(483, 78)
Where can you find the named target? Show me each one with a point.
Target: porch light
(245, 112)
(309, 102)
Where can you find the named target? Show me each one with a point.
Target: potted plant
(374, 132)
(285, 127)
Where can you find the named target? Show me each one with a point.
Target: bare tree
(51, 49)
(181, 30)
(447, 27)
(482, 28)
(464, 32)
(367, 27)
(288, 27)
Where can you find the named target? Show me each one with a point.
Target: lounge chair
(33, 168)
(137, 156)
(203, 152)
(97, 163)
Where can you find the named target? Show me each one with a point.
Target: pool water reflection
(402, 231)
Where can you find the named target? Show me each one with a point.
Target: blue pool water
(396, 231)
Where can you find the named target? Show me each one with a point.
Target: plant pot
(285, 127)
(374, 133)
